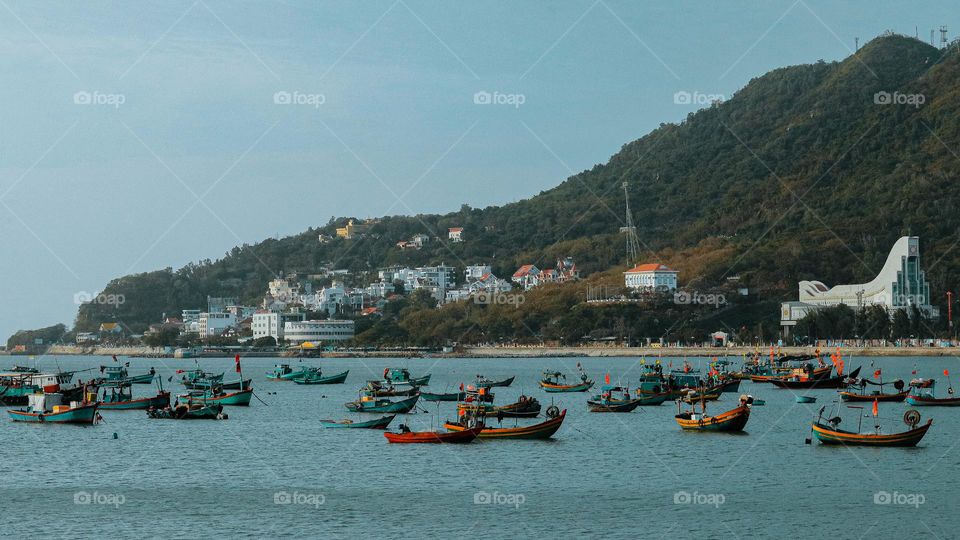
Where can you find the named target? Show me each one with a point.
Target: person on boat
(404, 428)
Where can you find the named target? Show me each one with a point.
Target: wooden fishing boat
(121, 398)
(283, 372)
(828, 434)
(189, 411)
(199, 376)
(804, 383)
(316, 377)
(652, 399)
(379, 423)
(926, 399)
(483, 382)
(543, 430)
(205, 384)
(456, 396)
(382, 405)
(47, 409)
(240, 398)
(401, 376)
(693, 395)
(613, 399)
(805, 399)
(378, 389)
(525, 407)
(732, 420)
(847, 395)
(433, 437)
(555, 382)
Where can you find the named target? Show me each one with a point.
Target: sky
(139, 136)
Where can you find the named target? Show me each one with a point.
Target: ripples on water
(609, 475)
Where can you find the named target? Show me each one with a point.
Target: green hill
(799, 175)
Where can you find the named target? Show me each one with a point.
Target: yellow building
(352, 229)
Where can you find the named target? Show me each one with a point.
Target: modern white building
(330, 330)
(476, 271)
(272, 323)
(213, 324)
(901, 284)
(651, 276)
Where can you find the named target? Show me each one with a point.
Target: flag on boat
(606, 378)
(237, 359)
(946, 373)
(877, 372)
(876, 408)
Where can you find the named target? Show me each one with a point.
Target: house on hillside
(651, 276)
(455, 234)
(527, 276)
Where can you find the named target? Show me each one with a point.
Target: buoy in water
(115, 436)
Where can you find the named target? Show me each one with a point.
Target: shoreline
(514, 352)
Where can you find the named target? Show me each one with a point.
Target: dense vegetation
(800, 175)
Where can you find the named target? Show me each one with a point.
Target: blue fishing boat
(805, 399)
(120, 397)
(379, 423)
(315, 376)
(382, 405)
(613, 398)
(47, 409)
(401, 376)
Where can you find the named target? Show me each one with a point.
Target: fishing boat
(120, 397)
(49, 409)
(827, 432)
(732, 420)
(543, 430)
(525, 407)
(382, 405)
(379, 389)
(315, 376)
(926, 398)
(23, 369)
(847, 395)
(379, 423)
(652, 399)
(17, 387)
(401, 376)
(706, 394)
(554, 381)
(433, 437)
(283, 372)
(613, 398)
(205, 384)
(804, 383)
(189, 411)
(805, 399)
(483, 382)
(455, 396)
(120, 373)
(239, 398)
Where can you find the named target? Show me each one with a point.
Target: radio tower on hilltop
(633, 243)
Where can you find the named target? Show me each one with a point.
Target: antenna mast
(633, 243)
(943, 37)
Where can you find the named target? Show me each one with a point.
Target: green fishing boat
(382, 405)
(401, 376)
(315, 376)
(455, 396)
(379, 423)
(120, 397)
(240, 398)
(47, 409)
(283, 372)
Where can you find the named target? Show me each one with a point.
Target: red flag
(877, 373)
(876, 408)
(914, 372)
(946, 373)
(461, 387)
(606, 378)
(237, 359)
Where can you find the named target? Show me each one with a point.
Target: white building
(330, 330)
(455, 234)
(526, 276)
(901, 284)
(271, 323)
(213, 324)
(477, 271)
(651, 276)
(190, 315)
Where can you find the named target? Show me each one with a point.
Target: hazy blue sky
(143, 135)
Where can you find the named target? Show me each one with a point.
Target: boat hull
(921, 401)
(160, 400)
(830, 436)
(379, 423)
(850, 396)
(402, 406)
(434, 437)
(240, 398)
(543, 430)
(333, 379)
(732, 420)
(459, 396)
(614, 406)
(85, 414)
(557, 388)
(492, 384)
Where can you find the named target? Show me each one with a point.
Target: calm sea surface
(271, 470)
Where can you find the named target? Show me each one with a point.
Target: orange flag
(606, 378)
(946, 373)
(876, 408)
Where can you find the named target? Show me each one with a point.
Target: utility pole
(633, 243)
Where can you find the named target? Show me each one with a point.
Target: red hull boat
(434, 437)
